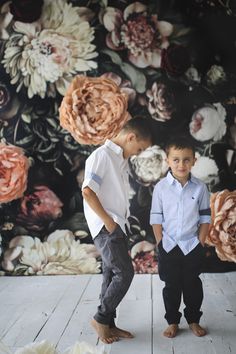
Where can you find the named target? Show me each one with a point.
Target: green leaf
(25, 140)
(114, 56)
(137, 78)
(52, 122)
(26, 118)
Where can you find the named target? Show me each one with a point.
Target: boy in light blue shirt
(180, 217)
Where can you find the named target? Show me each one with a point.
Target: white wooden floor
(59, 308)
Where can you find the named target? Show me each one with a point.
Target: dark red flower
(175, 60)
(39, 208)
(26, 10)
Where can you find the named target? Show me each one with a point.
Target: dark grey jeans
(118, 272)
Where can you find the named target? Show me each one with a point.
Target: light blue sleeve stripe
(94, 177)
(205, 219)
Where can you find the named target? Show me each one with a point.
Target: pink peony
(141, 34)
(222, 232)
(14, 167)
(94, 109)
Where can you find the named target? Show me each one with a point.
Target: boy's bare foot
(118, 332)
(171, 331)
(197, 329)
(103, 332)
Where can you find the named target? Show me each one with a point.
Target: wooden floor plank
(79, 328)
(59, 309)
(135, 316)
(220, 321)
(40, 304)
(54, 327)
(140, 288)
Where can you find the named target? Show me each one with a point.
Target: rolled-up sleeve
(156, 214)
(204, 207)
(95, 168)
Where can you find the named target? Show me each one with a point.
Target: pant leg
(192, 284)
(114, 252)
(107, 278)
(169, 268)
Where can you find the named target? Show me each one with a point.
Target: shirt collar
(114, 147)
(171, 179)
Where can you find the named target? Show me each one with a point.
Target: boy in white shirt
(106, 206)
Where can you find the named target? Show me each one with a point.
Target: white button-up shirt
(180, 211)
(107, 174)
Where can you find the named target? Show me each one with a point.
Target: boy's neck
(118, 140)
(183, 180)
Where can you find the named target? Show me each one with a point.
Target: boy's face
(180, 162)
(134, 145)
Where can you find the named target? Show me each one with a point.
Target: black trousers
(118, 273)
(181, 276)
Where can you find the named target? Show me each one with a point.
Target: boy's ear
(131, 137)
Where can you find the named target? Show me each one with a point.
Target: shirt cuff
(156, 219)
(91, 184)
(205, 219)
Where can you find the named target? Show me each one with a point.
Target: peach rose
(222, 232)
(13, 172)
(94, 109)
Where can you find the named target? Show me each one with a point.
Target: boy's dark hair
(180, 143)
(140, 126)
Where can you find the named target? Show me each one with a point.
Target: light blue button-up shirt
(180, 211)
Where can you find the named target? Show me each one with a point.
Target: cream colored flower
(193, 75)
(43, 347)
(205, 169)
(215, 75)
(14, 167)
(209, 123)
(94, 109)
(43, 55)
(222, 232)
(84, 348)
(5, 20)
(150, 165)
(60, 254)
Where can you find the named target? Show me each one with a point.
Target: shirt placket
(180, 213)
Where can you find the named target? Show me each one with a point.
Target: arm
(156, 214)
(157, 229)
(91, 198)
(203, 231)
(205, 215)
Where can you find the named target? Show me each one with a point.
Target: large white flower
(150, 165)
(44, 347)
(44, 55)
(60, 254)
(205, 169)
(209, 123)
(84, 348)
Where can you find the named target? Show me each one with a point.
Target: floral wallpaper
(172, 62)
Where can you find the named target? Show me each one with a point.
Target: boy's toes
(197, 329)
